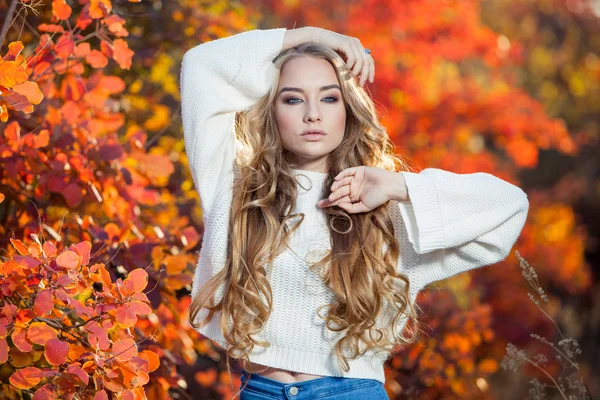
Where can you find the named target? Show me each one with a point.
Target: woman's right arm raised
(231, 74)
(217, 79)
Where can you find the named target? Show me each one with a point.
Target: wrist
(397, 190)
(294, 37)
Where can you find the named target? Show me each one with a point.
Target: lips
(313, 131)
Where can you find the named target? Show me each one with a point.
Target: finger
(354, 207)
(366, 71)
(327, 203)
(343, 181)
(339, 193)
(372, 77)
(347, 172)
(359, 57)
(350, 55)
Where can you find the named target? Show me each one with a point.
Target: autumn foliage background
(101, 223)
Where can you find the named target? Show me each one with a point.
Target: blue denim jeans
(329, 387)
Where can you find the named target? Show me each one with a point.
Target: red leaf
(77, 370)
(97, 336)
(46, 392)
(26, 378)
(67, 259)
(140, 308)
(3, 351)
(83, 249)
(19, 338)
(49, 249)
(56, 351)
(101, 395)
(125, 349)
(73, 195)
(43, 303)
(126, 316)
(27, 261)
(65, 46)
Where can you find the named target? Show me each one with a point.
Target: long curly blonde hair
(363, 277)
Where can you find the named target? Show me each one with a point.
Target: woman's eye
(290, 100)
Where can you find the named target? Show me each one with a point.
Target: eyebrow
(293, 89)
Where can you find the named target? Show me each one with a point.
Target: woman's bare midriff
(281, 375)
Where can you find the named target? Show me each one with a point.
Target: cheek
(285, 122)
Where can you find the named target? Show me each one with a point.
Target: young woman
(317, 237)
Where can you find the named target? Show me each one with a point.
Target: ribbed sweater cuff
(423, 214)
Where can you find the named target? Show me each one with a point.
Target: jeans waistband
(306, 389)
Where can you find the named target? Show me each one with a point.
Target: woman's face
(309, 98)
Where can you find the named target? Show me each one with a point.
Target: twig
(7, 18)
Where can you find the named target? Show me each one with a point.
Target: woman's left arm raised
(455, 222)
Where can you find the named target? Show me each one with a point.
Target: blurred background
(506, 87)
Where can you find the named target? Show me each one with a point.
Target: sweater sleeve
(217, 79)
(458, 222)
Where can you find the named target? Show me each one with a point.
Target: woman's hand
(362, 189)
(357, 60)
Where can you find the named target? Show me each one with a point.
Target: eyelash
(287, 101)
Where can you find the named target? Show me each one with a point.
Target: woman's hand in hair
(362, 189)
(357, 60)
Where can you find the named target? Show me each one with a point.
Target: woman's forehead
(308, 71)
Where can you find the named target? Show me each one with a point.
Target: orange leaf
(40, 333)
(12, 73)
(68, 259)
(96, 59)
(19, 338)
(56, 351)
(14, 49)
(122, 54)
(51, 28)
(3, 118)
(26, 378)
(137, 280)
(35, 250)
(60, 9)
(20, 247)
(206, 378)
(30, 90)
(125, 349)
(19, 359)
(23, 317)
(42, 139)
(43, 303)
(153, 359)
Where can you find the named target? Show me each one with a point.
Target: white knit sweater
(452, 224)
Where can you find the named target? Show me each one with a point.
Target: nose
(313, 112)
